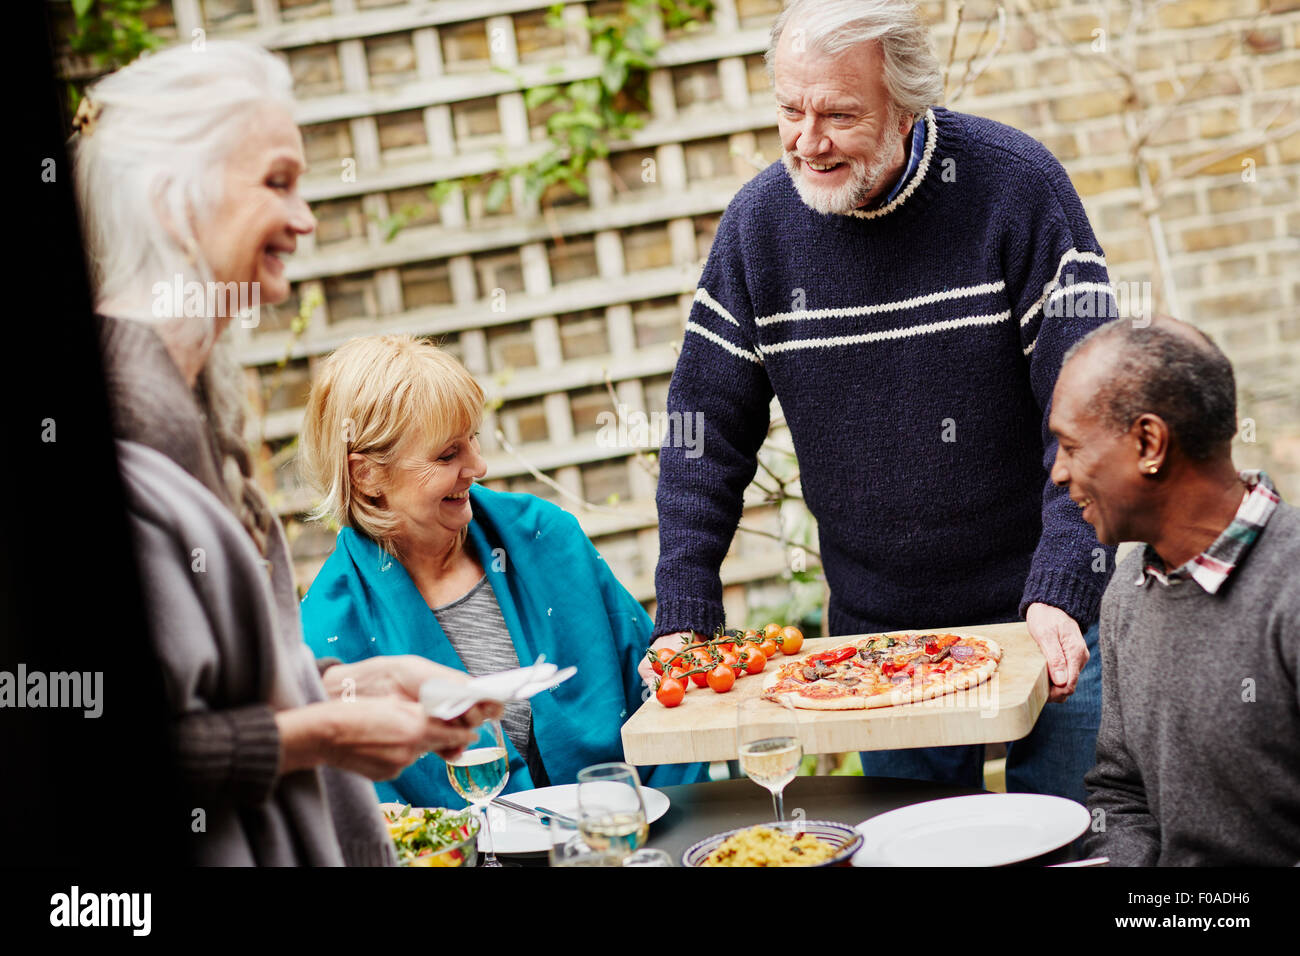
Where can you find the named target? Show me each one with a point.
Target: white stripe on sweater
(702, 296)
(1082, 287)
(1075, 287)
(888, 334)
(719, 340)
(1071, 255)
(912, 303)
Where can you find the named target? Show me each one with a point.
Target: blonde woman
(428, 562)
(187, 166)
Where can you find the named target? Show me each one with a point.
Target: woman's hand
(400, 675)
(397, 675)
(375, 737)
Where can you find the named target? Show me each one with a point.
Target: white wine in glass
(611, 811)
(767, 739)
(615, 833)
(480, 773)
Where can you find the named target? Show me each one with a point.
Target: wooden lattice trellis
(543, 306)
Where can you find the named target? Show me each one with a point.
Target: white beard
(863, 178)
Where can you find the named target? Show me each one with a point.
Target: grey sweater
(227, 635)
(1198, 755)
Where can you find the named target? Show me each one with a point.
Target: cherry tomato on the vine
(755, 659)
(721, 678)
(670, 692)
(791, 640)
(772, 630)
(700, 678)
(769, 648)
(733, 662)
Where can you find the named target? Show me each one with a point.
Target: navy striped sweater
(913, 350)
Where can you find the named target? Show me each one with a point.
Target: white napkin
(448, 699)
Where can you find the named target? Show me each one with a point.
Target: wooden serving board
(703, 726)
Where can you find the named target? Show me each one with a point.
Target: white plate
(985, 829)
(516, 833)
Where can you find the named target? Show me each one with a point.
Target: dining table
(700, 810)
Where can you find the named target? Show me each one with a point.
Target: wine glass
(611, 811)
(480, 773)
(568, 848)
(767, 737)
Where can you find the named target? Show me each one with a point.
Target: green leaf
(614, 75)
(497, 194)
(538, 95)
(81, 7)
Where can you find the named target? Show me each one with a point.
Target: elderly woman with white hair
(187, 166)
(429, 562)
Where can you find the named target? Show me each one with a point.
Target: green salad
(424, 836)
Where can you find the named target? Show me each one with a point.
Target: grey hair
(1185, 379)
(167, 124)
(912, 74)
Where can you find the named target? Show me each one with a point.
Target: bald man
(1198, 755)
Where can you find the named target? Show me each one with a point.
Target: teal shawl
(558, 598)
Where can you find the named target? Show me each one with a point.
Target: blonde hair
(376, 396)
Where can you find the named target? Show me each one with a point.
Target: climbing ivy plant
(584, 116)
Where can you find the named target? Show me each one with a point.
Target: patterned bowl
(843, 837)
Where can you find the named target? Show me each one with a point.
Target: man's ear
(1150, 435)
(364, 474)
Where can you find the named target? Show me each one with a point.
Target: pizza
(882, 670)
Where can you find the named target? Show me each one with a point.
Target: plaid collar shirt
(1212, 566)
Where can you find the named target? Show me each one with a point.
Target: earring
(1152, 467)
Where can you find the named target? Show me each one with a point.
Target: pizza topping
(832, 657)
(940, 643)
(961, 652)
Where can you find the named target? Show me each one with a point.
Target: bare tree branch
(952, 50)
(969, 77)
(1255, 138)
(549, 481)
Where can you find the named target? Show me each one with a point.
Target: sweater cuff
(1076, 596)
(687, 614)
(233, 754)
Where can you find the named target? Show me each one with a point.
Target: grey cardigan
(225, 627)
